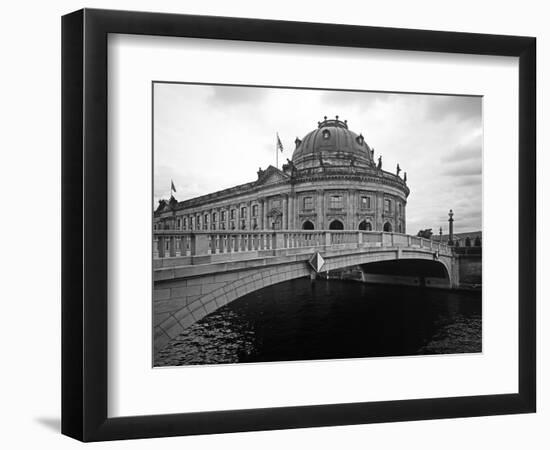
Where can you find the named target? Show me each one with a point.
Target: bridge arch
(408, 271)
(184, 294)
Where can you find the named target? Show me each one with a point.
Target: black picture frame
(84, 224)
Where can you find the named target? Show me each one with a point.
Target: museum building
(332, 182)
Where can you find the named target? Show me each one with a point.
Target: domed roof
(334, 143)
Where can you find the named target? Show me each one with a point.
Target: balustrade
(173, 243)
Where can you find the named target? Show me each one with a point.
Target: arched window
(387, 227)
(336, 225)
(308, 225)
(477, 242)
(365, 226)
(468, 241)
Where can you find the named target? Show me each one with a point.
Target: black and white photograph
(308, 224)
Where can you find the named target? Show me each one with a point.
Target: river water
(301, 320)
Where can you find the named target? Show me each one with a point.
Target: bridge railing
(173, 243)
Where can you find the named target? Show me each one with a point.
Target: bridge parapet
(196, 244)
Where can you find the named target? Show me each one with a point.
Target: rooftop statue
(379, 166)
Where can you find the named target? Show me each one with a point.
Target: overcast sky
(208, 138)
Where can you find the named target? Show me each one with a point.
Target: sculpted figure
(379, 166)
(321, 162)
(398, 169)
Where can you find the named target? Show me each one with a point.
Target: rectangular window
(399, 208)
(254, 210)
(308, 203)
(232, 214)
(243, 212)
(223, 216)
(387, 205)
(185, 223)
(205, 226)
(336, 202)
(254, 223)
(190, 223)
(222, 226)
(365, 202)
(214, 217)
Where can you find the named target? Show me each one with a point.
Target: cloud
(469, 150)
(463, 170)
(470, 180)
(455, 107)
(343, 100)
(236, 95)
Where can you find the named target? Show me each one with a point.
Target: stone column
(320, 209)
(285, 212)
(264, 213)
(249, 215)
(379, 226)
(352, 203)
(296, 211)
(291, 224)
(404, 217)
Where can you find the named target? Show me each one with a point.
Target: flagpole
(276, 155)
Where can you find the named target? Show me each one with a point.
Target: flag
(279, 144)
(172, 187)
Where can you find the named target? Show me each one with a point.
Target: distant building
(332, 182)
(469, 239)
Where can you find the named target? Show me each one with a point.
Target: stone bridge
(195, 273)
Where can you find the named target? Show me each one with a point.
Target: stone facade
(332, 182)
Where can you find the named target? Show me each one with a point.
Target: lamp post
(451, 220)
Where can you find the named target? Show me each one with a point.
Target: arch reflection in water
(300, 320)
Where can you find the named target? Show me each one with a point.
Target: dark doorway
(336, 225)
(365, 226)
(387, 227)
(307, 225)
